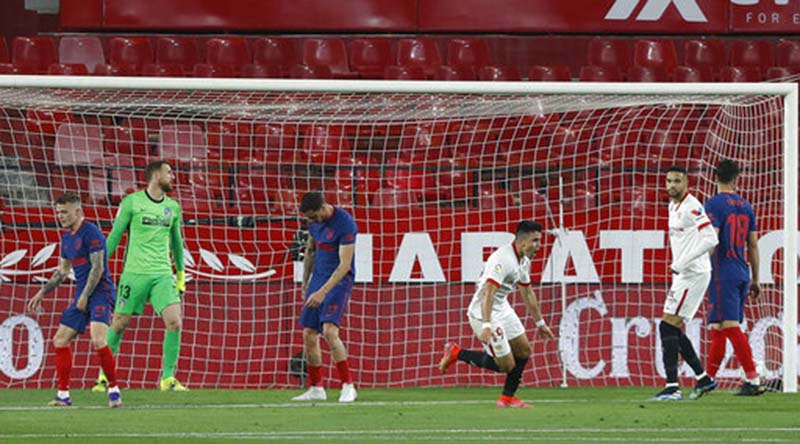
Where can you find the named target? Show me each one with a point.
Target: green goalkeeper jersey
(154, 229)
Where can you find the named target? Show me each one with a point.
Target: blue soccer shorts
(99, 309)
(726, 298)
(331, 310)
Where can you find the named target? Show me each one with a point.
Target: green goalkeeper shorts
(136, 289)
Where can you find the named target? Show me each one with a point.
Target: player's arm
(489, 289)
(706, 241)
(97, 259)
(752, 251)
(121, 224)
(346, 253)
(176, 245)
(532, 304)
(55, 280)
(308, 262)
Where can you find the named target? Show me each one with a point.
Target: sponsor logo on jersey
(697, 211)
(168, 212)
(161, 221)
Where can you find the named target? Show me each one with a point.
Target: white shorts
(505, 326)
(686, 294)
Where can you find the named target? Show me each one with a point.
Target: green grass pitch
(418, 415)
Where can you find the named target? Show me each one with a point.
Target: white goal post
(514, 112)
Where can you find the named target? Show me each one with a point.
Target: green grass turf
(398, 415)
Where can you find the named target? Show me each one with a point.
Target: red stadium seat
(106, 69)
(134, 52)
(220, 71)
(659, 54)
(788, 53)
(692, 74)
(499, 73)
(163, 70)
(394, 72)
(704, 54)
(554, 73)
(756, 53)
(83, 49)
(419, 52)
(470, 52)
(262, 71)
(423, 141)
(232, 52)
(452, 73)
(310, 72)
(609, 53)
(177, 50)
(98, 187)
(79, 144)
(780, 72)
(394, 198)
(274, 143)
(8, 68)
(127, 143)
(182, 143)
(369, 57)
(72, 69)
(492, 197)
(330, 52)
(592, 73)
(275, 52)
(740, 74)
(3, 50)
(325, 144)
(33, 55)
(647, 74)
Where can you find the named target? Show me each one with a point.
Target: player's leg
(716, 350)
(165, 300)
(733, 312)
(521, 351)
(332, 313)
(669, 331)
(98, 329)
(73, 322)
(131, 297)
(309, 320)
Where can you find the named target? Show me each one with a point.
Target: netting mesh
(435, 183)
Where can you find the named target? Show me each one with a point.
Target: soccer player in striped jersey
(83, 249)
(691, 237)
(152, 221)
(494, 321)
(328, 273)
(735, 222)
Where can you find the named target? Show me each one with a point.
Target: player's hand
(486, 335)
(315, 299)
(755, 289)
(180, 283)
(545, 332)
(81, 304)
(673, 270)
(35, 304)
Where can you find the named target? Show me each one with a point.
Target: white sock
(63, 394)
(755, 381)
(701, 376)
(114, 389)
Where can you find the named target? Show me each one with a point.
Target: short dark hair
(312, 201)
(677, 169)
(68, 198)
(727, 170)
(152, 167)
(527, 226)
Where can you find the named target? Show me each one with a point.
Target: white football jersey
(686, 219)
(504, 270)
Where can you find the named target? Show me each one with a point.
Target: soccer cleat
(513, 402)
(115, 400)
(703, 386)
(60, 402)
(314, 394)
(348, 393)
(101, 385)
(668, 394)
(451, 350)
(749, 389)
(171, 384)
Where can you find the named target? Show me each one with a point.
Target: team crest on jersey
(498, 269)
(78, 243)
(168, 212)
(698, 211)
(328, 234)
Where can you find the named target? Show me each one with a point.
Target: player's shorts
(686, 294)
(98, 309)
(331, 310)
(136, 289)
(726, 298)
(505, 326)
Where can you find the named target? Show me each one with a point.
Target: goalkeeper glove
(180, 284)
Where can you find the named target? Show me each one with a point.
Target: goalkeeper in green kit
(153, 224)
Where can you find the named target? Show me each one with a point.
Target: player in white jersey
(691, 238)
(495, 322)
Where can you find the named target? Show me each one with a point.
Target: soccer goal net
(437, 175)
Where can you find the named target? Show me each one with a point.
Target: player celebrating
(329, 262)
(153, 223)
(493, 319)
(83, 248)
(690, 238)
(735, 222)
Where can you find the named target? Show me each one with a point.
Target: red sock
(314, 375)
(63, 366)
(344, 372)
(716, 352)
(741, 347)
(108, 365)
